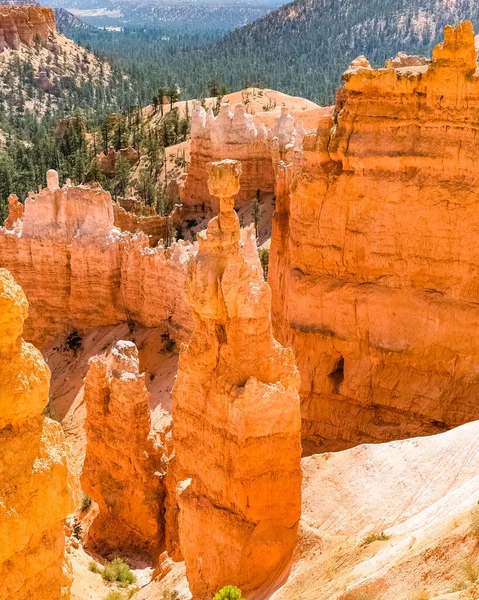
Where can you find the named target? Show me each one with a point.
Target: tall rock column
(35, 490)
(124, 461)
(236, 417)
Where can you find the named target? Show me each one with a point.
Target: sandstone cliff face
(233, 134)
(373, 266)
(35, 491)
(236, 420)
(78, 270)
(125, 462)
(24, 24)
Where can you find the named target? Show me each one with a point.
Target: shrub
(85, 503)
(168, 595)
(93, 567)
(375, 537)
(471, 571)
(114, 596)
(77, 529)
(118, 571)
(230, 592)
(264, 260)
(74, 341)
(474, 521)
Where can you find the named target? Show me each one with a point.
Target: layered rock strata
(25, 24)
(236, 419)
(125, 461)
(78, 270)
(234, 134)
(373, 266)
(35, 490)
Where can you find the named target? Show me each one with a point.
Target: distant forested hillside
(301, 48)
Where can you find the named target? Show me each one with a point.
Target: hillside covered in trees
(301, 48)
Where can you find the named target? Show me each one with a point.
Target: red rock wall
(373, 264)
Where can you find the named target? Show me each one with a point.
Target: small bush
(230, 592)
(85, 503)
(474, 521)
(93, 567)
(264, 260)
(471, 571)
(170, 595)
(77, 529)
(114, 596)
(119, 572)
(74, 341)
(375, 537)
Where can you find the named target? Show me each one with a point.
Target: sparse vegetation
(74, 341)
(85, 503)
(94, 567)
(77, 528)
(471, 571)
(375, 537)
(230, 592)
(117, 571)
(170, 595)
(474, 521)
(264, 260)
(114, 596)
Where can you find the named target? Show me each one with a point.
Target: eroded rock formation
(79, 271)
(373, 266)
(125, 461)
(35, 490)
(234, 134)
(25, 24)
(15, 212)
(236, 420)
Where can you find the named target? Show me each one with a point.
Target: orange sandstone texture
(79, 271)
(25, 24)
(35, 487)
(373, 264)
(125, 461)
(15, 212)
(236, 419)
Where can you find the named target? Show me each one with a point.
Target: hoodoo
(236, 419)
(373, 264)
(35, 489)
(124, 460)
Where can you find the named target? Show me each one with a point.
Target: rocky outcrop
(107, 163)
(79, 271)
(35, 491)
(26, 24)
(236, 420)
(233, 134)
(373, 268)
(15, 212)
(125, 461)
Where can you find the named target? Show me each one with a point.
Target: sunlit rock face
(373, 265)
(236, 419)
(78, 270)
(36, 491)
(125, 461)
(25, 24)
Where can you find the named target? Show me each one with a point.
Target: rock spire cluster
(236, 420)
(36, 492)
(25, 24)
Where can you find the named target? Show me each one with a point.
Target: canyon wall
(25, 24)
(236, 417)
(125, 461)
(35, 488)
(233, 134)
(79, 271)
(373, 266)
